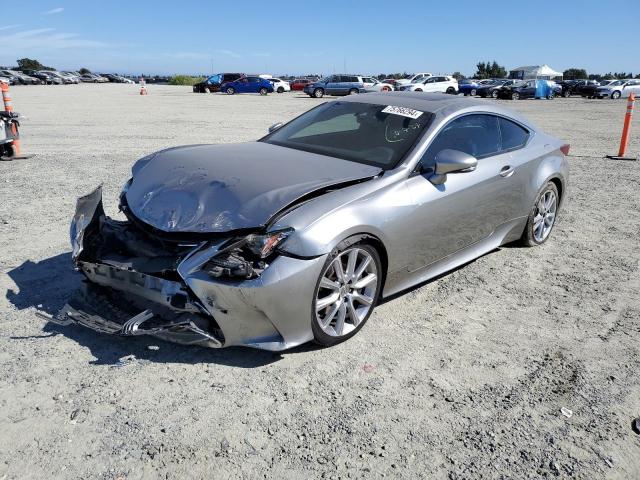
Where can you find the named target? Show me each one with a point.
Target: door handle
(506, 171)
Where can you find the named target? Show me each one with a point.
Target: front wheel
(494, 94)
(263, 91)
(566, 94)
(353, 91)
(346, 293)
(473, 92)
(515, 96)
(230, 90)
(318, 93)
(542, 217)
(615, 95)
(451, 91)
(280, 89)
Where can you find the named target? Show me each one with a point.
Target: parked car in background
(93, 78)
(20, 78)
(249, 84)
(6, 80)
(299, 83)
(279, 85)
(391, 81)
(372, 84)
(572, 87)
(113, 78)
(523, 89)
(212, 84)
(51, 79)
(490, 89)
(339, 84)
(469, 86)
(413, 78)
(63, 78)
(443, 84)
(71, 76)
(619, 89)
(589, 90)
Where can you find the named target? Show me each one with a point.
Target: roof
(538, 69)
(426, 102)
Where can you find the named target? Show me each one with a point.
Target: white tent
(544, 72)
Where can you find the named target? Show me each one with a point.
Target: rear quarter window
(513, 135)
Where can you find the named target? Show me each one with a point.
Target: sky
(319, 36)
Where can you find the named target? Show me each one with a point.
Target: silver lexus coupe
(296, 237)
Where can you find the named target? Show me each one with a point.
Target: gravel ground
(464, 377)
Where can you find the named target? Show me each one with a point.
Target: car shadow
(45, 286)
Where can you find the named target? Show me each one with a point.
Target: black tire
(318, 93)
(515, 96)
(207, 90)
(230, 91)
(280, 89)
(353, 91)
(263, 91)
(319, 336)
(465, 94)
(528, 239)
(418, 90)
(494, 94)
(473, 92)
(451, 91)
(616, 95)
(7, 151)
(566, 94)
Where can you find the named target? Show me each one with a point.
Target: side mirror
(275, 127)
(452, 161)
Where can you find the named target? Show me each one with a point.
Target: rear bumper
(271, 311)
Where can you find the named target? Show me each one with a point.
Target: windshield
(378, 135)
(616, 83)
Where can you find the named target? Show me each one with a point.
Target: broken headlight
(264, 245)
(247, 257)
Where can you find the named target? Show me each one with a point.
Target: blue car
(470, 87)
(336, 85)
(247, 85)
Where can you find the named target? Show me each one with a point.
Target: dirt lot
(461, 378)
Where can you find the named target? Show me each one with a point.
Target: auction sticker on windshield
(405, 112)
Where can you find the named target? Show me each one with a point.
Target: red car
(299, 83)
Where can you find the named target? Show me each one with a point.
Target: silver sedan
(297, 236)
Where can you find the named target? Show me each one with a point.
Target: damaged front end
(212, 290)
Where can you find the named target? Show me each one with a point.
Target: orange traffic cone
(143, 88)
(8, 107)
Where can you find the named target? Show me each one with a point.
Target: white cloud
(264, 55)
(9, 27)
(230, 53)
(53, 11)
(46, 39)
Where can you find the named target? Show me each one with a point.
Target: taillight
(565, 149)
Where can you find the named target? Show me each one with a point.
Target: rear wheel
(542, 217)
(280, 89)
(385, 89)
(566, 94)
(230, 90)
(418, 90)
(353, 91)
(515, 96)
(263, 91)
(494, 94)
(451, 91)
(318, 93)
(346, 293)
(615, 95)
(473, 92)
(207, 90)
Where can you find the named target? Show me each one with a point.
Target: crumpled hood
(217, 188)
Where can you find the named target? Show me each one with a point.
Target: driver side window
(477, 135)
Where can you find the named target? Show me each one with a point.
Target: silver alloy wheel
(346, 292)
(545, 216)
